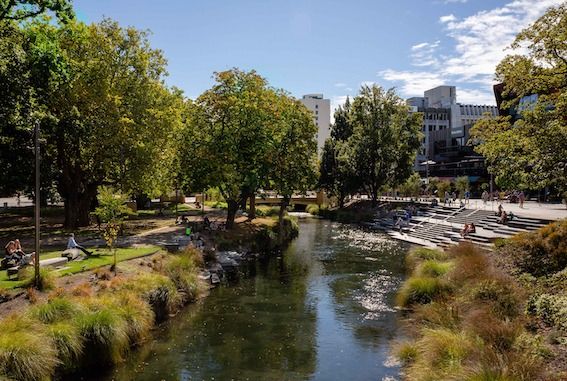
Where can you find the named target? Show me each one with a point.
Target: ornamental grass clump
(421, 290)
(137, 313)
(27, 352)
(69, 343)
(433, 268)
(182, 270)
(56, 309)
(420, 254)
(105, 332)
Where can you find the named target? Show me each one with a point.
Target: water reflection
(323, 311)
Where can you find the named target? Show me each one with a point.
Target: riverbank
(501, 315)
(94, 317)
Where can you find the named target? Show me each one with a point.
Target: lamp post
(37, 201)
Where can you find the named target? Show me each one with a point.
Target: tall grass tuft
(56, 309)
(420, 254)
(27, 352)
(138, 315)
(105, 333)
(46, 280)
(182, 270)
(421, 290)
(433, 268)
(68, 341)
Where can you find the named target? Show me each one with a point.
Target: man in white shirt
(72, 244)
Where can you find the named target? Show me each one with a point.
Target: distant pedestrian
(467, 196)
(447, 199)
(454, 196)
(484, 197)
(521, 198)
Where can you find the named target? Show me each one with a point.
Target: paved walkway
(531, 209)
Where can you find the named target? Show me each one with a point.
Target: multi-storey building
(321, 109)
(446, 126)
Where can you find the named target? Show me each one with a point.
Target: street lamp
(37, 201)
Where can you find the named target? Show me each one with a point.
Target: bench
(53, 262)
(71, 254)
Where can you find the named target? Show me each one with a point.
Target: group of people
(468, 229)
(15, 256)
(503, 215)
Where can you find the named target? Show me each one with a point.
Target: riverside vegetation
(107, 318)
(474, 315)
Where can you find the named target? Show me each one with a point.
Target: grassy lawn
(101, 257)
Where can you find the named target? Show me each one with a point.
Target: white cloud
(480, 41)
(448, 18)
(423, 54)
(412, 83)
(340, 84)
(455, 1)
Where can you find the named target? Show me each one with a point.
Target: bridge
(302, 200)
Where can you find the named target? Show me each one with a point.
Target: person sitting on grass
(23, 258)
(72, 244)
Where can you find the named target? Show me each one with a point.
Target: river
(321, 311)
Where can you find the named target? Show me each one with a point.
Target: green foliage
(442, 187)
(27, 351)
(412, 186)
(419, 254)
(421, 290)
(433, 268)
(183, 270)
(105, 332)
(137, 314)
(551, 309)
(68, 341)
(543, 251)
(267, 211)
(55, 310)
(312, 209)
(407, 352)
(462, 184)
(531, 152)
(23, 9)
(46, 280)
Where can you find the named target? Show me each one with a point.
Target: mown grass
(83, 328)
(101, 257)
(466, 320)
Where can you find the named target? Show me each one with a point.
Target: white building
(446, 123)
(321, 109)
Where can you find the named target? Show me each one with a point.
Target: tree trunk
(77, 208)
(283, 206)
(232, 209)
(374, 196)
(252, 211)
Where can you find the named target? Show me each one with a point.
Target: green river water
(321, 311)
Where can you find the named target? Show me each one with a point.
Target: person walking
(467, 196)
(484, 197)
(72, 244)
(521, 199)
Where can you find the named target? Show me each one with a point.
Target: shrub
(267, 211)
(290, 229)
(543, 251)
(551, 309)
(312, 209)
(502, 294)
(500, 334)
(421, 290)
(26, 350)
(470, 264)
(105, 333)
(432, 268)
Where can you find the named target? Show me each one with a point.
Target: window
(316, 106)
(316, 112)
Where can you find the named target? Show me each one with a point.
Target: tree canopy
(531, 152)
(23, 9)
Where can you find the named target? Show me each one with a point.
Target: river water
(321, 311)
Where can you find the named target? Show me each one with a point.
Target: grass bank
(468, 318)
(100, 258)
(95, 324)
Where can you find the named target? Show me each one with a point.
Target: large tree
(106, 116)
(337, 174)
(229, 138)
(531, 152)
(294, 158)
(385, 139)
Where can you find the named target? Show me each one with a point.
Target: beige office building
(321, 110)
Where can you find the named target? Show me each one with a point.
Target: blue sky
(330, 46)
